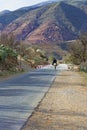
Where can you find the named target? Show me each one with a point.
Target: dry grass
(84, 75)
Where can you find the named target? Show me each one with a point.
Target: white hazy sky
(15, 4)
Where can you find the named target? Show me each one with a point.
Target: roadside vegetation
(78, 52)
(15, 57)
(84, 75)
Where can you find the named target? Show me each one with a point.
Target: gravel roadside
(64, 107)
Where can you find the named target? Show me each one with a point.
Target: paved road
(64, 106)
(20, 95)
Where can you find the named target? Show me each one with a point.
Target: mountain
(48, 22)
(4, 12)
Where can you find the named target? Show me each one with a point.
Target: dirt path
(64, 106)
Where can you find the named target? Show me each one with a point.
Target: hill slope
(48, 23)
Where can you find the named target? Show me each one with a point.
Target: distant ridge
(5, 12)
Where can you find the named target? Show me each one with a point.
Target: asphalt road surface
(20, 95)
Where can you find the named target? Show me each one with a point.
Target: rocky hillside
(46, 23)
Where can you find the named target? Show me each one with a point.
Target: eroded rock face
(48, 33)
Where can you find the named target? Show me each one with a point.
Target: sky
(15, 4)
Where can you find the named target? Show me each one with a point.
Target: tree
(78, 50)
(8, 57)
(8, 54)
(83, 40)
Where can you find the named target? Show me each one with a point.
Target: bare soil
(64, 107)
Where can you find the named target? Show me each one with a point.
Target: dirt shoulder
(64, 107)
